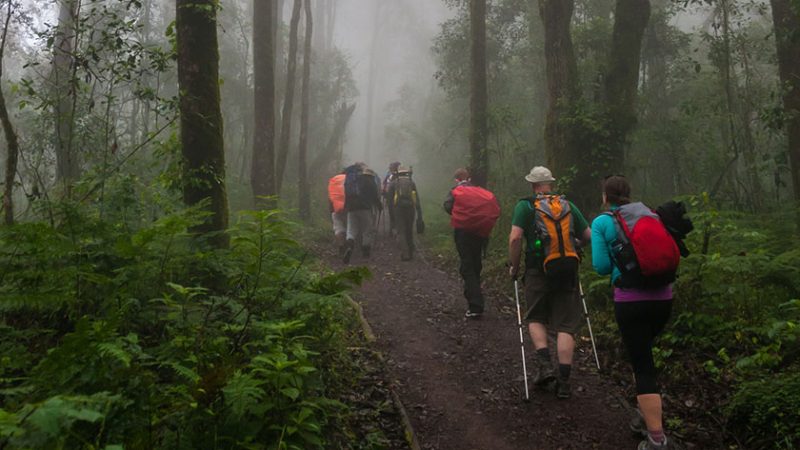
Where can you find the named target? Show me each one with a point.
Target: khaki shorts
(556, 306)
(339, 222)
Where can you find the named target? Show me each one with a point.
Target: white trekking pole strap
(589, 323)
(521, 341)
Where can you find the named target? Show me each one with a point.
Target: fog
(402, 36)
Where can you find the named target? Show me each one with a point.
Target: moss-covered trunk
(786, 16)
(64, 93)
(203, 177)
(302, 171)
(560, 137)
(622, 82)
(262, 170)
(288, 101)
(479, 97)
(11, 135)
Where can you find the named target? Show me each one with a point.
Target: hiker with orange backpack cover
(553, 229)
(336, 199)
(630, 243)
(473, 212)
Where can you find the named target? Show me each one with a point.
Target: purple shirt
(638, 295)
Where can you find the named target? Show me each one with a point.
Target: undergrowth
(120, 331)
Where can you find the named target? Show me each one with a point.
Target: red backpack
(645, 253)
(475, 210)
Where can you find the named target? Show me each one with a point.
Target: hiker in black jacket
(362, 199)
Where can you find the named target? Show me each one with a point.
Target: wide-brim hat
(540, 174)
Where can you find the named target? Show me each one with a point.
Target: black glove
(420, 226)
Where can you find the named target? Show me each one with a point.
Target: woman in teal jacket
(641, 315)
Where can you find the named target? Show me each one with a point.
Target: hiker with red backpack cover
(630, 243)
(473, 212)
(553, 228)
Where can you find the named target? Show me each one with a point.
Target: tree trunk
(622, 80)
(373, 69)
(288, 102)
(262, 170)
(302, 174)
(329, 155)
(479, 97)
(202, 144)
(11, 135)
(65, 91)
(786, 17)
(561, 149)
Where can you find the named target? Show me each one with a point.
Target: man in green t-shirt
(552, 296)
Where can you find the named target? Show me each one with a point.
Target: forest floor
(461, 380)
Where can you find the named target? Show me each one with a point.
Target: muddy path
(461, 380)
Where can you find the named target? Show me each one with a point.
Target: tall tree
(11, 134)
(202, 146)
(302, 169)
(372, 80)
(262, 171)
(622, 79)
(288, 101)
(479, 97)
(65, 91)
(786, 19)
(563, 91)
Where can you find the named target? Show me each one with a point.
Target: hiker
(388, 179)
(553, 228)
(473, 213)
(362, 198)
(336, 200)
(404, 201)
(642, 306)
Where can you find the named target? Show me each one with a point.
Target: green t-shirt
(524, 218)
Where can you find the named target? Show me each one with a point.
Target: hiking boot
(545, 374)
(348, 251)
(563, 389)
(637, 425)
(649, 444)
(472, 315)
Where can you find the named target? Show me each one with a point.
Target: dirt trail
(461, 381)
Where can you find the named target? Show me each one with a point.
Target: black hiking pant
(404, 223)
(470, 250)
(639, 323)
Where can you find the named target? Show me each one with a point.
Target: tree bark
(479, 97)
(561, 150)
(288, 102)
(11, 135)
(262, 171)
(304, 200)
(622, 80)
(786, 19)
(65, 90)
(202, 146)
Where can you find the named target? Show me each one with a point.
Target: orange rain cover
(336, 192)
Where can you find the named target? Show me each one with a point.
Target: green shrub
(766, 412)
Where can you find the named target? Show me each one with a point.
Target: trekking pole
(589, 323)
(521, 341)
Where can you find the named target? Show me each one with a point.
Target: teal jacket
(604, 234)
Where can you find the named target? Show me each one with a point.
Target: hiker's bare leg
(566, 348)
(538, 335)
(650, 406)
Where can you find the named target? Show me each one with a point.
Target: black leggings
(639, 323)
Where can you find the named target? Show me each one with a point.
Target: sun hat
(539, 174)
